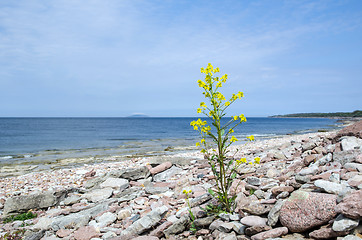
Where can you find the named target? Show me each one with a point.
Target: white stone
(109, 235)
(117, 183)
(43, 223)
(81, 172)
(350, 143)
(309, 171)
(98, 195)
(329, 187)
(106, 219)
(342, 223)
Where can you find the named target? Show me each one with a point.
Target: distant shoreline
(336, 115)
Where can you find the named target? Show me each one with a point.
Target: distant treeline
(356, 113)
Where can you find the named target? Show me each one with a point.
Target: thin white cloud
(126, 49)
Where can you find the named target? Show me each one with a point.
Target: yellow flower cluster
(219, 96)
(243, 160)
(209, 69)
(251, 138)
(236, 96)
(233, 139)
(241, 117)
(186, 192)
(202, 107)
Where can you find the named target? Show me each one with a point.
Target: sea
(44, 141)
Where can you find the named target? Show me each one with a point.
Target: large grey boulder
(135, 173)
(76, 220)
(33, 201)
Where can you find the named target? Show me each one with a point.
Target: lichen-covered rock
(304, 210)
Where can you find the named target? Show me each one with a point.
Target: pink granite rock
(351, 206)
(160, 168)
(280, 189)
(326, 233)
(86, 233)
(63, 233)
(304, 210)
(273, 233)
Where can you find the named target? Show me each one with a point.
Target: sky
(111, 58)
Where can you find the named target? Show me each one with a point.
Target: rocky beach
(306, 187)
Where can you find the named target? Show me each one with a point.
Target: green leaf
(211, 192)
(222, 132)
(233, 175)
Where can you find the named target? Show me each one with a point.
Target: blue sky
(116, 58)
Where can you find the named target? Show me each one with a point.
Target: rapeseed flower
(233, 139)
(251, 138)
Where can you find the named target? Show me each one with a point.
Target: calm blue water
(49, 139)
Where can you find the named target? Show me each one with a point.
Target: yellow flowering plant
(215, 143)
(192, 227)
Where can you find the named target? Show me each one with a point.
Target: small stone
(253, 221)
(109, 235)
(253, 181)
(273, 215)
(278, 190)
(309, 171)
(202, 232)
(215, 224)
(351, 237)
(259, 194)
(250, 231)
(351, 206)
(166, 175)
(106, 219)
(273, 233)
(160, 168)
(282, 195)
(256, 208)
(326, 233)
(239, 228)
(86, 233)
(63, 233)
(158, 232)
(204, 222)
(350, 143)
(146, 238)
(353, 166)
(225, 227)
(135, 173)
(329, 187)
(98, 195)
(116, 183)
(123, 214)
(342, 224)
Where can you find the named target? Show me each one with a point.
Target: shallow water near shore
(47, 143)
